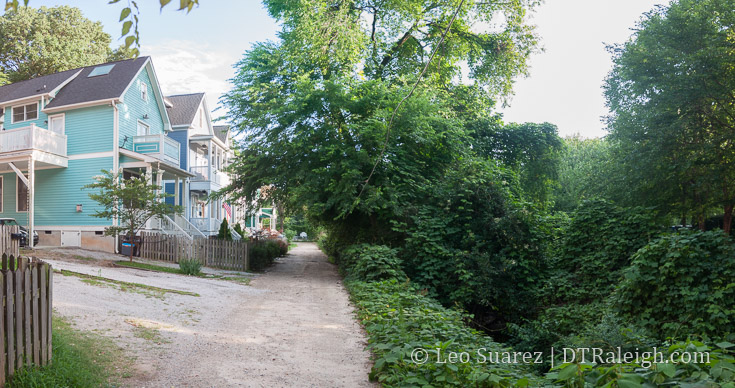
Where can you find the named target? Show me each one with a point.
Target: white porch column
(176, 192)
(187, 194)
(209, 159)
(31, 199)
(149, 178)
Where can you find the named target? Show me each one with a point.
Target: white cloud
(188, 67)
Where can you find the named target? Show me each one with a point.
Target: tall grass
(79, 359)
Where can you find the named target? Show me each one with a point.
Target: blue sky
(195, 52)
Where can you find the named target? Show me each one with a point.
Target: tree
(531, 150)
(586, 171)
(36, 42)
(131, 201)
(224, 231)
(672, 97)
(319, 114)
(128, 18)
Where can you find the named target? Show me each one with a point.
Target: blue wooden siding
(182, 136)
(58, 191)
(134, 109)
(169, 189)
(40, 121)
(89, 129)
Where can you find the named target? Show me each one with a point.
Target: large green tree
(672, 97)
(36, 42)
(328, 125)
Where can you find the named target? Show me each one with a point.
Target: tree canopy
(36, 42)
(672, 97)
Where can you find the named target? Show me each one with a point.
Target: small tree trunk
(727, 219)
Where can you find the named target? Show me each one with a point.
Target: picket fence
(26, 290)
(9, 245)
(230, 255)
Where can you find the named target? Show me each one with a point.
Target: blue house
(58, 131)
(205, 152)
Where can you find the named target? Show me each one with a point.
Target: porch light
(145, 116)
(79, 208)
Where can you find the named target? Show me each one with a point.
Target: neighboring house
(59, 131)
(205, 150)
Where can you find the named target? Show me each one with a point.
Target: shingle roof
(221, 132)
(35, 86)
(85, 89)
(184, 108)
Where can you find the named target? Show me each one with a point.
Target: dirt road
(292, 326)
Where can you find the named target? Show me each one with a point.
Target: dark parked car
(23, 231)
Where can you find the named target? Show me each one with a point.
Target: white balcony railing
(159, 146)
(32, 138)
(202, 173)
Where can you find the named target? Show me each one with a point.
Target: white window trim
(25, 114)
(145, 125)
(144, 91)
(17, 192)
(63, 122)
(2, 192)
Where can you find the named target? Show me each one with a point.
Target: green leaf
(725, 345)
(129, 41)
(125, 13)
(568, 372)
(126, 27)
(164, 3)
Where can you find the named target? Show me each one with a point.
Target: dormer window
(25, 112)
(144, 91)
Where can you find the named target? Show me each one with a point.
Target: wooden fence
(230, 255)
(9, 245)
(26, 287)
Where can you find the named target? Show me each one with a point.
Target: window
(56, 124)
(144, 91)
(201, 118)
(25, 112)
(143, 129)
(101, 70)
(22, 196)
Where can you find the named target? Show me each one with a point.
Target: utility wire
(393, 115)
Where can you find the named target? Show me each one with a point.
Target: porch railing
(32, 138)
(159, 146)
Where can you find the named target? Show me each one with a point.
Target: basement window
(98, 233)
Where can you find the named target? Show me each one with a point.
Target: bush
(290, 234)
(262, 253)
(190, 266)
(682, 284)
(372, 263)
(224, 231)
(399, 320)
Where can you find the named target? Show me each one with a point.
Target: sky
(196, 52)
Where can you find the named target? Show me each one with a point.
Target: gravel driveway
(292, 326)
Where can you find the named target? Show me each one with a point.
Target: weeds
(143, 289)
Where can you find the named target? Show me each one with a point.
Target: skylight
(101, 70)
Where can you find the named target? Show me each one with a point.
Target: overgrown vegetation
(263, 253)
(144, 289)
(432, 203)
(80, 359)
(190, 266)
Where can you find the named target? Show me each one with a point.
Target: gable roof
(34, 87)
(221, 132)
(77, 86)
(184, 108)
(103, 87)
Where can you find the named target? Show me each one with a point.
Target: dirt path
(292, 326)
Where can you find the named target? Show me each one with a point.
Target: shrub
(682, 284)
(262, 253)
(290, 234)
(398, 320)
(190, 266)
(372, 263)
(224, 231)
